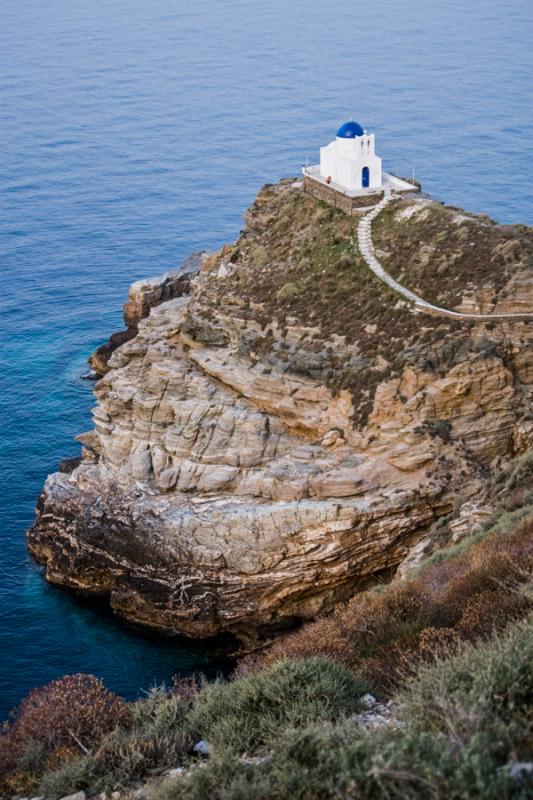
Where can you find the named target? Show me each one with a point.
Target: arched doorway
(365, 177)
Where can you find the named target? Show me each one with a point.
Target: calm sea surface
(135, 131)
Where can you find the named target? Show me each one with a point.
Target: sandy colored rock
(257, 457)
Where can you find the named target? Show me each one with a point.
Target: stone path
(366, 246)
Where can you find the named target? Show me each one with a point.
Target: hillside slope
(291, 430)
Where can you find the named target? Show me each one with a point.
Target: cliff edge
(286, 429)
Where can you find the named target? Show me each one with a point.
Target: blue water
(135, 131)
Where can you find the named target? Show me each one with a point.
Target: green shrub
(259, 256)
(73, 776)
(126, 756)
(468, 718)
(479, 683)
(287, 291)
(249, 713)
(160, 711)
(308, 764)
(462, 725)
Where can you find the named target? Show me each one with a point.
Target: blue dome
(350, 130)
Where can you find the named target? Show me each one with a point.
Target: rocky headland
(277, 429)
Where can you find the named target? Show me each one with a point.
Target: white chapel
(350, 161)
(349, 175)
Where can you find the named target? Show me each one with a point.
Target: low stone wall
(329, 195)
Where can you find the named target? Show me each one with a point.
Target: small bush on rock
(153, 740)
(74, 775)
(71, 714)
(75, 709)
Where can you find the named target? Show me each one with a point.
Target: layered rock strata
(142, 297)
(260, 452)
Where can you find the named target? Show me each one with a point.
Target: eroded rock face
(150, 292)
(228, 486)
(142, 297)
(212, 510)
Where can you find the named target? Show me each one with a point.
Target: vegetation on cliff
(297, 264)
(460, 593)
(269, 450)
(454, 258)
(285, 433)
(462, 730)
(449, 649)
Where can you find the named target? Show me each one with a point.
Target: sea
(133, 132)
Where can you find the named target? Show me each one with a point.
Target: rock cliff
(290, 430)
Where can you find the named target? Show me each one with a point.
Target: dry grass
(383, 635)
(463, 251)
